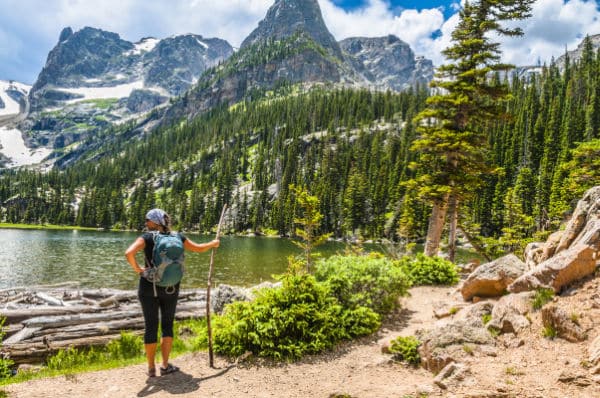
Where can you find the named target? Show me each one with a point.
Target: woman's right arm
(135, 247)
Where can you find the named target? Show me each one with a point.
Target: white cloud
(31, 28)
(377, 18)
(554, 26)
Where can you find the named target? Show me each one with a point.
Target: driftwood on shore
(40, 321)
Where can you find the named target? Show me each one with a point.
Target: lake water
(96, 259)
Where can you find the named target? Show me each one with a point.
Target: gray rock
(226, 294)
(144, 100)
(452, 374)
(508, 315)
(388, 62)
(443, 345)
(286, 17)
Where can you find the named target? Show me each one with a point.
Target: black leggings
(150, 307)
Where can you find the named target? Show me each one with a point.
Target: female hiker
(159, 282)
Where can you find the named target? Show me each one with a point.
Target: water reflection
(96, 259)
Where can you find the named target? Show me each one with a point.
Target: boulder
(508, 315)
(492, 279)
(566, 327)
(445, 344)
(564, 268)
(226, 294)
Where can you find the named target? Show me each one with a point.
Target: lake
(96, 259)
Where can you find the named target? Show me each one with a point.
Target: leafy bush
(299, 318)
(190, 335)
(542, 296)
(425, 270)
(406, 349)
(125, 347)
(368, 281)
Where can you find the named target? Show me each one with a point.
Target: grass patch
(486, 318)
(542, 296)
(549, 332)
(46, 226)
(190, 336)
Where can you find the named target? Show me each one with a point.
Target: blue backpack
(167, 259)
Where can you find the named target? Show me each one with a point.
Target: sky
(29, 29)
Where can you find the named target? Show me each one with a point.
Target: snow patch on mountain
(147, 44)
(14, 148)
(11, 106)
(203, 44)
(91, 93)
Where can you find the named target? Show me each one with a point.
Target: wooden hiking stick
(210, 272)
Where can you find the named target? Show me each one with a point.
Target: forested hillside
(351, 148)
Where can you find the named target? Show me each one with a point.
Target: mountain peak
(286, 17)
(65, 34)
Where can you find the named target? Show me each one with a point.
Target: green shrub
(299, 318)
(367, 281)
(542, 296)
(549, 332)
(425, 270)
(485, 318)
(125, 347)
(190, 335)
(406, 349)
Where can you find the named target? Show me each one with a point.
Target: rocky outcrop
(568, 255)
(558, 271)
(387, 62)
(287, 17)
(144, 100)
(492, 279)
(445, 344)
(93, 78)
(583, 227)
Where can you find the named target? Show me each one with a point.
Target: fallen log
(68, 320)
(49, 299)
(100, 327)
(19, 315)
(38, 352)
(23, 334)
(116, 298)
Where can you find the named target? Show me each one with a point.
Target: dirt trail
(358, 369)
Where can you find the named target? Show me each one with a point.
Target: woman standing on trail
(160, 293)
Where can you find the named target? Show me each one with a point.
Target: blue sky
(29, 29)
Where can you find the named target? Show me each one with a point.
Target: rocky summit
(292, 45)
(287, 17)
(387, 62)
(93, 78)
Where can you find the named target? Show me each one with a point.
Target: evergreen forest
(351, 148)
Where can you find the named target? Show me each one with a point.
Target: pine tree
(453, 141)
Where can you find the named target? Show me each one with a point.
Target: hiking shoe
(152, 372)
(169, 369)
